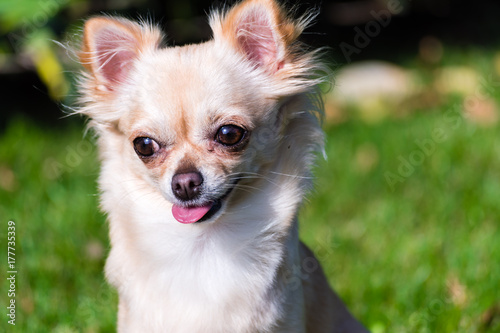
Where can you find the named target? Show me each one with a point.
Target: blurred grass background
(405, 214)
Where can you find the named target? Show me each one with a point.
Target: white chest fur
(219, 277)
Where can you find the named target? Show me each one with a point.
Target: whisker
(289, 175)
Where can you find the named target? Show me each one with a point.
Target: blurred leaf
(28, 14)
(41, 50)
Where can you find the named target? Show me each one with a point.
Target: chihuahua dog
(206, 155)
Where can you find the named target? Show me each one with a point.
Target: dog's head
(195, 122)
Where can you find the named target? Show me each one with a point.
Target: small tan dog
(206, 154)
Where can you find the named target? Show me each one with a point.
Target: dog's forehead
(190, 79)
(186, 88)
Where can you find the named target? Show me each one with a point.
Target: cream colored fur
(242, 270)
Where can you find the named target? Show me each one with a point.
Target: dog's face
(195, 130)
(194, 122)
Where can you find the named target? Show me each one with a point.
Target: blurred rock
(7, 179)
(366, 158)
(489, 316)
(27, 304)
(457, 79)
(424, 99)
(94, 250)
(481, 111)
(375, 87)
(496, 61)
(372, 80)
(457, 291)
(430, 50)
(333, 112)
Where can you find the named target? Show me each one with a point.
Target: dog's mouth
(201, 213)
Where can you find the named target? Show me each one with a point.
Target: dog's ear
(260, 30)
(110, 47)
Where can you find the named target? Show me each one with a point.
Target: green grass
(423, 256)
(419, 256)
(61, 236)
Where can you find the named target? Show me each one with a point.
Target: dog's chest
(210, 293)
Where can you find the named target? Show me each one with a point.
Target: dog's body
(206, 153)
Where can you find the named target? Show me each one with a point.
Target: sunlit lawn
(415, 253)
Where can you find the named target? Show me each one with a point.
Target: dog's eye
(145, 146)
(230, 135)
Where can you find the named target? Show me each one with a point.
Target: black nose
(187, 186)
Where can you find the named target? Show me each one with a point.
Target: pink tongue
(190, 214)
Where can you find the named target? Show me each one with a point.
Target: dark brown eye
(145, 146)
(230, 135)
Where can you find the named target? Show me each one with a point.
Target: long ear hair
(263, 33)
(110, 48)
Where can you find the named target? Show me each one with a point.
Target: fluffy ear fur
(266, 37)
(260, 30)
(110, 47)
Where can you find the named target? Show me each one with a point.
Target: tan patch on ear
(284, 28)
(129, 37)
